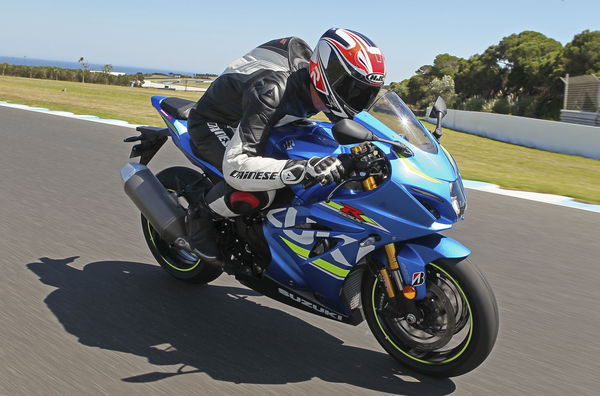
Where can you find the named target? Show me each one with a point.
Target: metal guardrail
(560, 137)
(580, 117)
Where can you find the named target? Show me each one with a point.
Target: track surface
(84, 309)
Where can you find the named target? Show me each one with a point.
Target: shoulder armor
(270, 87)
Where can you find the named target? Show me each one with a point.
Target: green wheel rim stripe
(407, 354)
(150, 232)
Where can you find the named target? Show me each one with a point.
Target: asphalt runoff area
(86, 310)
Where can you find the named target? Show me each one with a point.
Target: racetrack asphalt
(84, 308)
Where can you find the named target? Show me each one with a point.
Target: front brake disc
(439, 329)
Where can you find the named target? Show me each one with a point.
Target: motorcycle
(368, 248)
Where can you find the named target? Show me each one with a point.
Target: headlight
(457, 196)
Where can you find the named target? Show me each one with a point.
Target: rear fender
(151, 140)
(415, 254)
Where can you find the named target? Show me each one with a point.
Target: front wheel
(458, 321)
(176, 261)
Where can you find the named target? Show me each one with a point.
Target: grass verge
(106, 101)
(523, 168)
(479, 158)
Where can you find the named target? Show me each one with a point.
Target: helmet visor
(352, 92)
(355, 94)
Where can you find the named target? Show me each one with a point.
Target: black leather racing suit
(230, 124)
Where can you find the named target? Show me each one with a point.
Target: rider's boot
(202, 234)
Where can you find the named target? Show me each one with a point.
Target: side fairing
(294, 235)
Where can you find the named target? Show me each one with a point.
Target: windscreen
(391, 110)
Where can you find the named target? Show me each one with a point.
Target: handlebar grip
(308, 182)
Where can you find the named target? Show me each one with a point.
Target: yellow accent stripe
(413, 169)
(169, 123)
(446, 151)
(368, 220)
(337, 206)
(325, 265)
(296, 249)
(334, 205)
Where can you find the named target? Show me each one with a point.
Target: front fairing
(412, 203)
(436, 164)
(404, 202)
(396, 205)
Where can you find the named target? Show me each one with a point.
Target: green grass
(523, 168)
(106, 101)
(478, 158)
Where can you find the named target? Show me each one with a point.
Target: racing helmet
(347, 70)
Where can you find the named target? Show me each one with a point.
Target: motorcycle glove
(323, 170)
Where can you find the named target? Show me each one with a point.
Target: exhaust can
(154, 201)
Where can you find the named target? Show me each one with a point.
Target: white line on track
(471, 184)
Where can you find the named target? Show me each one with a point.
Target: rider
(276, 83)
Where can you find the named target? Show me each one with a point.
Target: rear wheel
(176, 261)
(457, 327)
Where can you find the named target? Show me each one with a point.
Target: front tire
(177, 262)
(459, 327)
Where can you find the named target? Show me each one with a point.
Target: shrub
(475, 103)
(488, 106)
(501, 106)
(523, 106)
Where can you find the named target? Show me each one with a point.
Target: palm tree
(84, 68)
(107, 69)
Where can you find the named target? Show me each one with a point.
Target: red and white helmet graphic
(347, 69)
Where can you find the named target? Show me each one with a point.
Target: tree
(519, 74)
(446, 65)
(416, 88)
(582, 54)
(531, 60)
(106, 69)
(401, 88)
(424, 70)
(84, 67)
(480, 75)
(443, 87)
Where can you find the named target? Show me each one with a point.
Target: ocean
(93, 66)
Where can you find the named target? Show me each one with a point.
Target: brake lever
(332, 193)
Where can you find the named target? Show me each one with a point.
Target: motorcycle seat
(177, 107)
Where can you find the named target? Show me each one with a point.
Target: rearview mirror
(348, 131)
(438, 112)
(440, 106)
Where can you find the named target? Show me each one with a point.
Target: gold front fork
(390, 249)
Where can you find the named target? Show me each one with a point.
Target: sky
(203, 37)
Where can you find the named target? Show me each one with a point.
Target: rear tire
(175, 261)
(474, 323)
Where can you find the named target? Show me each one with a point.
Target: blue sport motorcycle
(367, 248)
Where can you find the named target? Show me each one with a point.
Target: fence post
(566, 81)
